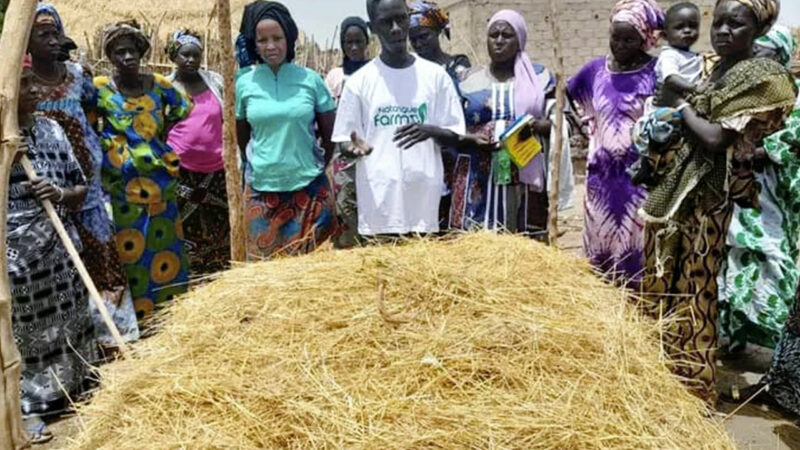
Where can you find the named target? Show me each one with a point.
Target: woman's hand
(45, 189)
(672, 99)
(711, 136)
(701, 88)
(542, 127)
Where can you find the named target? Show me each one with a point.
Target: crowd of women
(400, 144)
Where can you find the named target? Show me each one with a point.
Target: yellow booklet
(520, 144)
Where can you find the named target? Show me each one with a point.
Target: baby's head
(682, 26)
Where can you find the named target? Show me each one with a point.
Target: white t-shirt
(398, 191)
(686, 64)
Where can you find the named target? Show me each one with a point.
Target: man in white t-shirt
(396, 113)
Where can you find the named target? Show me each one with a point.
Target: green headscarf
(782, 41)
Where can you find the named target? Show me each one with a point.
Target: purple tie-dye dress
(613, 238)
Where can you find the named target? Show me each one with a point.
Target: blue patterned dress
(478, 201)
(66, 103)
(50, 306)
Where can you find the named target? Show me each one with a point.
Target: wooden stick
(206, 46)
(329, 50)
(233, 173)
(89, 49)
(324, 67)
(156, 48)
(14, 41)
(76, 259)
(558, 140)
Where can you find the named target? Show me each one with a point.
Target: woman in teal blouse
(282, 111)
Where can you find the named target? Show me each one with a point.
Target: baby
(678, 69)
(678, 73)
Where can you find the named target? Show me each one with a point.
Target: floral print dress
(140, 174)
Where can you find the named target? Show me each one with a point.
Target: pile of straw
(479, 342)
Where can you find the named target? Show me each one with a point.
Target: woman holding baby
(689, 208)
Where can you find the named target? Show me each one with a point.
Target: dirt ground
(753, 428)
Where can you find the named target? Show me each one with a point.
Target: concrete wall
(584, 28)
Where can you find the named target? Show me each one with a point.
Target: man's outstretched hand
(358, 147)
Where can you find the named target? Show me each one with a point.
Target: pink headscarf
(645, 15)
(528, 92)
(529, 96)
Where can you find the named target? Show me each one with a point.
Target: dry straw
(479, 342)
(87, 15)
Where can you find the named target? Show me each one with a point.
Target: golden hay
(480, 342)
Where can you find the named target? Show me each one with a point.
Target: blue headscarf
(47, 14)
(46, 9)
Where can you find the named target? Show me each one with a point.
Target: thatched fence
(85, 20)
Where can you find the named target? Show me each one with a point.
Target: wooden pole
(558, 140)
(89, 49)
(76, 259)
(233, 173)
(207, 39)
(13, 41)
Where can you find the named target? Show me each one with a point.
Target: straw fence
(85, 21)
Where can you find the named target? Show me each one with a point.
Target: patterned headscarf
(428, 14)
(180, 38)
(766, 12)
(645, 15)
(782, 41)
(128, 28)
(47, 14)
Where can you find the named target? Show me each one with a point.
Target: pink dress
(198, 139)
(202, 194)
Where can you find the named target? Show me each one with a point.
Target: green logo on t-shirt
(395, 116)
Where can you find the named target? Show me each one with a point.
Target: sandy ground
(753, 428)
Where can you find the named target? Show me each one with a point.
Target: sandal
(757, 394)
(37, 430)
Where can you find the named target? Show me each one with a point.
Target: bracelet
(60, 194)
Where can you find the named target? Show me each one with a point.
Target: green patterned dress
(758, 281)
(140, 173)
